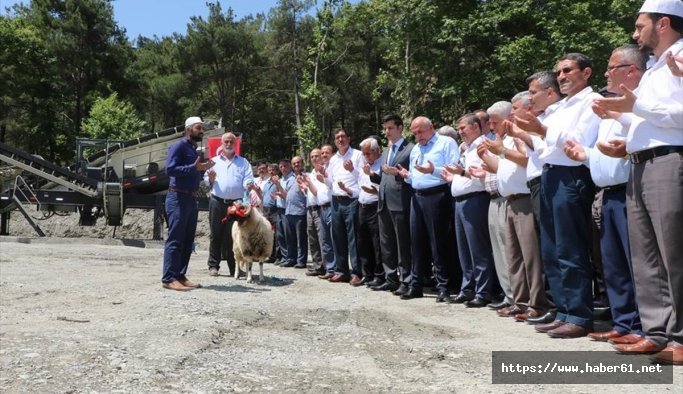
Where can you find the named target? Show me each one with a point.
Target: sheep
(252, 238)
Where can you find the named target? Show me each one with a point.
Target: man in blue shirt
(184, 168)
(228, 180)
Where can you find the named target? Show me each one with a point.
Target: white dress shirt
(364, 180)
(658, 110)
(511, 176)
(336, 172)
(232, 177)
(572, 120)
(605, 170)
(462, 185)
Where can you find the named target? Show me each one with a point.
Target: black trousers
(369, 251)
(220, 238)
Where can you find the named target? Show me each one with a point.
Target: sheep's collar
(239, 212)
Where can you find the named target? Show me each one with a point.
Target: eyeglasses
(612, 68)
(229, 141)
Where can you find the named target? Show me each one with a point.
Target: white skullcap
(192, 120)
(667, 7)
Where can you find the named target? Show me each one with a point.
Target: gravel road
(80, 316)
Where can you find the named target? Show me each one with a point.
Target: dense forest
(287, 78)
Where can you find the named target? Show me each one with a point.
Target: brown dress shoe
(550, 326)
(339, 278)
(175, 285)
(530, 312)
(604, 336)
(188, 283)
(510, 311)
(325, 276)
(672, 354)
(645, 346)
(568, 330)
(628, 339)
(356, 281)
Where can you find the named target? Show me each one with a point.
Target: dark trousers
(394, 236)
(369, 250)
(474, 246)
(616, 263)
(297, 239)
(220, 237)
(326, 239)
(270, 213)
(280, 233)
(344, 230)
(313, 231)
(181, 210)
(566, 198)
(430, 236)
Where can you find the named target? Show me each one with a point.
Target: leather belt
(533, 182)
(368, 205)
(194, 193)
(495, 195)
(514, 197)
(648, 154)
(326, 205)
(313, 207)
(342, 198)
(469, 195)
(432, 190)
(223, 200)
(613, 188)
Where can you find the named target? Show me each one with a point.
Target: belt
(533, 182)
(647, 154)
(469, 195)
(269, 209)
(341, 197)
(194, 193)
(326, 205)
(313, 208)
(513, 197)
(223, 200)
(613, 188)
(368, 205)
(495, 195)
(432, 190)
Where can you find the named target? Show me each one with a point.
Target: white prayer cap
(192, 120)
(666, 7)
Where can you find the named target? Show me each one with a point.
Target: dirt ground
(85, 315)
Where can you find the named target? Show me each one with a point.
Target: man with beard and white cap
(184, 169)
(655, 186)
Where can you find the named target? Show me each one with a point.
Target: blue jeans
(344, 230)
(297, 239)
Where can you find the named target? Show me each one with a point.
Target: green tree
(113, 119)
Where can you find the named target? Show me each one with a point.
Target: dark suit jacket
(393, 190)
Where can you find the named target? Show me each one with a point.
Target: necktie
(392, 154)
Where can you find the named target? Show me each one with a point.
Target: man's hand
(675, 64)
(348, 165)
(402, 171)
(447, 176)
(342, 186)
(494, 146)
(428, 169)
(366, 169)
(212, 176)
(455, 169)
(621, 104)
(574, 151)
(477, 172)
(369, 189)
(275, 179)
(201, 167)
(613, 148)
(528, 122)
(390, 170)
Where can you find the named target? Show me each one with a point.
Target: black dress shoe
(402, 289)
(375, 282)
(411, 293)
(386, 286)
(288, 264)
(444, 296)
(461, 299)
(478, 302)
(499, 305)
(548, 317)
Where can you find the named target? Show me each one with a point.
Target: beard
(196, 138)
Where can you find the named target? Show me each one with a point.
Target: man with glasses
(567, 193)
(655, 186)
(228, 179)
(626, 66)
(184, 168)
